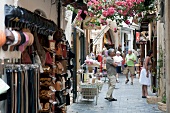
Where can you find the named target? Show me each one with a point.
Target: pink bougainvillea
(114, 10)
(127, 22)
(103, 21)
(111, 11)
(105, 13)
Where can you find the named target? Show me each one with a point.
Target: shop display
(40, 77)
(23, 80)
(23, 18)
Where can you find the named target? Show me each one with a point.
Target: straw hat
(2, 38)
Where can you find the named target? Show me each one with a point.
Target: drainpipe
(167, 39)
(82, 52)
(75, 66)
(82, 47)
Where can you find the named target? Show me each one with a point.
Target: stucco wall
(45, 5)
(161, 44)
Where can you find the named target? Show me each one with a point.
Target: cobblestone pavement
(129, 101)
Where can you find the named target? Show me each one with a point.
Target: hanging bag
(48, 60)
(59, 68)
(59, 50)
(4, 87)
(64, 50)
(26, 58)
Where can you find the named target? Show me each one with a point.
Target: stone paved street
(129, 101)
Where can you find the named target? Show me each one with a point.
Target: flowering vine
(120, 11)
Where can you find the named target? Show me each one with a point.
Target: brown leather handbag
(59, 50)
(59, 68)
(64, 50)
(58, 86)
(64, 64)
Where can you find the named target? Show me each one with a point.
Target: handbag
(4, 87)
(48, 60)
(59, 50)
(26, 58)
(59, 68)
(64, 50)
(64, 64)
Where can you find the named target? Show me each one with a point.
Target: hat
(23, 46)
(17, 38)
(30, 35)
(2, 38)
(9, 39)
(117, 52)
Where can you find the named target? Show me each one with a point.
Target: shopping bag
(3, 86)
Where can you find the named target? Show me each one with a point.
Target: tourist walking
(130, 62)
(145, 75)
(111, 72)
(118, 60)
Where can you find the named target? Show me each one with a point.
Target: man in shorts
(130, 62)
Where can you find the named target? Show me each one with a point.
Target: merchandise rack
(89, 91)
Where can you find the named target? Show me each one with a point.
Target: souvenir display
(38, 82)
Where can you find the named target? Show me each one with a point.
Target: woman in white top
(145, 75)
(118, 60)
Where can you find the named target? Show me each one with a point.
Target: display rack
(89, 90)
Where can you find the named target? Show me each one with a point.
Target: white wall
(45, 5)
(4, 55)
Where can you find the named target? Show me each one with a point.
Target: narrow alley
(129, 101)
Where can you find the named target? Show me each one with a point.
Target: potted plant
(162, 104)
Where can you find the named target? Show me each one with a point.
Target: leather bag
(64, 64)
(59, 50)
(59, 68)
(40, 50)
(58, 86)
(26, 58)
(64, 50)
(48, 60)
